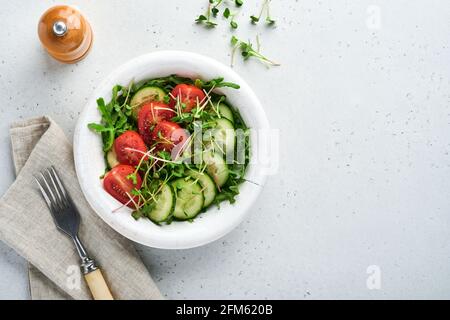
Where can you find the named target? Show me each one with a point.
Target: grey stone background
(362, 100)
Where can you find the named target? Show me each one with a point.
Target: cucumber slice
(216, 167)
(225, 111)
(207, 184)
(165, 203)
(189, 198)
(226, 134)
(222, 138)
(111, 158)
(146, 94)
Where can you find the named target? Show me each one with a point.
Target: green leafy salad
(173, 147)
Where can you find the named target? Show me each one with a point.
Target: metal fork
(67, 220)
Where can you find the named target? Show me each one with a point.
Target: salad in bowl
(166, 150)
(173, 147)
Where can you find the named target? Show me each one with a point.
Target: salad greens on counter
(173, 147)
(209, 19)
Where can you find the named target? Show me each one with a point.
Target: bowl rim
(82, 125)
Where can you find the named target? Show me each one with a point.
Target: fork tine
(49, 190)
(57, 190)
(61, 186)
(44, 194)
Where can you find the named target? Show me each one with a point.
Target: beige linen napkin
(27, 227)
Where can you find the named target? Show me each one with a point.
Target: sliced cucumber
(165, 203)
(226, 134)
(146, 94)
(216, 167)
(225, 111)
(111, 158)
(222, 138)
(207, 184)
(189, 198)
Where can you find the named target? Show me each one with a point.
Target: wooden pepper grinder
(65, 34)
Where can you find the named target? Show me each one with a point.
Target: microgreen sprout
(248, 51)
(269, 20)
(227, 14)
(212, 11)
(206, 19)
(265, 7)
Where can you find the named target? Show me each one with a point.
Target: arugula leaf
(215, 83)
(166, 83)
(114, 118)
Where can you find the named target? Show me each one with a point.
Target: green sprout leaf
(265, 7)
(201, 18)
(215, 83)
(254, 19)
(226, 13)
(132, 177)
(270, 21)
(210, 24)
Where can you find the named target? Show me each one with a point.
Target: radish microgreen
(227, 14)
(265, 7)
(247, 51)
(213, 10)
(246, 48)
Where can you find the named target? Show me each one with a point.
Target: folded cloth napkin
(26, 224)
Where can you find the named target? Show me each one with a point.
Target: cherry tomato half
(119, 186)
(168, 135)
(126, 141)
(151, 114)
(188, 95)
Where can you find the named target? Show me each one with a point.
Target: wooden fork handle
(98, 286)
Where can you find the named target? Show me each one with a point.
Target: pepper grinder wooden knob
(65, 34)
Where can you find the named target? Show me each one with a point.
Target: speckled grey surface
(362, 100)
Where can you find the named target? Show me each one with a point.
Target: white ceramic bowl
(89, 160)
